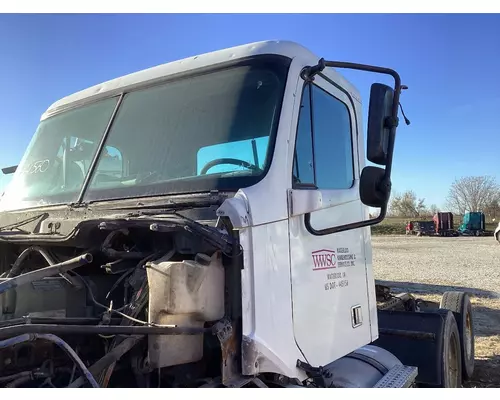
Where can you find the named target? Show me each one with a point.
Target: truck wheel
(452, 360)
(459, 303)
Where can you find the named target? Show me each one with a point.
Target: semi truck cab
(237, 180)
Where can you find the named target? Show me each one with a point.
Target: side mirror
(379, 126)
(374, 191)
(375, 182)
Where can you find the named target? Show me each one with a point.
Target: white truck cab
(248, 160)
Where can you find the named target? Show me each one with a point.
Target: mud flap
(416, 338)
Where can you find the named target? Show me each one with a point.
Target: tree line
(466, 194)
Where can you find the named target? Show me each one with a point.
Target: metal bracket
(223, 329)
(244, 380)
(308, 72)
(391, 122)
(226, 333)
(313, 372)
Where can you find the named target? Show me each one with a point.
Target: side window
(323, 152)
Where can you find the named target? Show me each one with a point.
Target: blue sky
(449, 62)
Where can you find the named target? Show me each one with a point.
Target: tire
(451, 354)
(459, 303)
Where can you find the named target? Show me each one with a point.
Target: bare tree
(433, 209)
(492, 210)
(472, 194)
(407, 205)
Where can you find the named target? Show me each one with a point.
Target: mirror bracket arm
(385, 185)
(391, 122)
(309, 72)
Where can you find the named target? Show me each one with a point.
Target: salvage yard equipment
(205, 223)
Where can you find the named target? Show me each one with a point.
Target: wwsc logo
(324, 259)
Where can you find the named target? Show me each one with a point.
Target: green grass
(390, 226)
(397, 226)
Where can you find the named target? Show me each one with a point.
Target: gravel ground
(466, 262)
(430, 266)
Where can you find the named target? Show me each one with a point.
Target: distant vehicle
(424, 228)
(443, 222)
(472, 224)
(497, 233)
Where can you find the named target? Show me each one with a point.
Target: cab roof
(146, 76)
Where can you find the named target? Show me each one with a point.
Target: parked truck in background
(443, 222)
(424, 228)
(226, 242)
(473, 223)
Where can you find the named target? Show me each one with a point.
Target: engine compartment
(140, 310)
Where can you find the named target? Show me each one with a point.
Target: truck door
(329, 278)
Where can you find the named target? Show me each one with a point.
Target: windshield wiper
(211, 234)
(170, 205)
(17, 225)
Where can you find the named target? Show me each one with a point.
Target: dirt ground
(485, 302)
(486, 314)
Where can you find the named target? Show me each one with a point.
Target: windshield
(199, 133)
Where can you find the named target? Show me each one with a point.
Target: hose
(59, 342)
(14, 376)
(107, 249)
(40, 329)
(19, 381)
(139, 265)
(9, 299)
(118, 311)
(17, 267)
(110, 358)
(56, 321)
(140, 302)
(28, 377)
(107, 308)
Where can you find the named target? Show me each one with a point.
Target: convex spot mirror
(379, 123)
(373, 191)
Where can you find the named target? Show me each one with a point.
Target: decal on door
(336, 280)
(329, 259)
(324, 259)
(345, 257)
